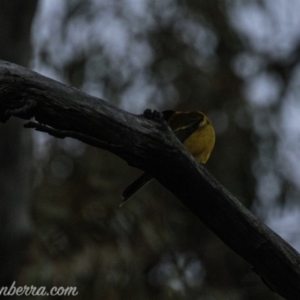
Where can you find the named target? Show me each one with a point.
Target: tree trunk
(15, 148)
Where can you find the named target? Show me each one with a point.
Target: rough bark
(150, 145)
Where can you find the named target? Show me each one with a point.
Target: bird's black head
(167, 114)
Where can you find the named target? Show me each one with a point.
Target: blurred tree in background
(235, 60)
(16, 146)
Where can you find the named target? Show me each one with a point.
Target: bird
(194, 130)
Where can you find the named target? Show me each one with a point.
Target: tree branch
(65, 111)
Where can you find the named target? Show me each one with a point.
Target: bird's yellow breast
(201, 142)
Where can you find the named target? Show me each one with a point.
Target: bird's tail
(135, 186)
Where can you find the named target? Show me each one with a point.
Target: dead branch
(64, 111)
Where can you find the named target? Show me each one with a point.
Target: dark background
(237, 61)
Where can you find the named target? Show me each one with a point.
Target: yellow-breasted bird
(194, 130)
